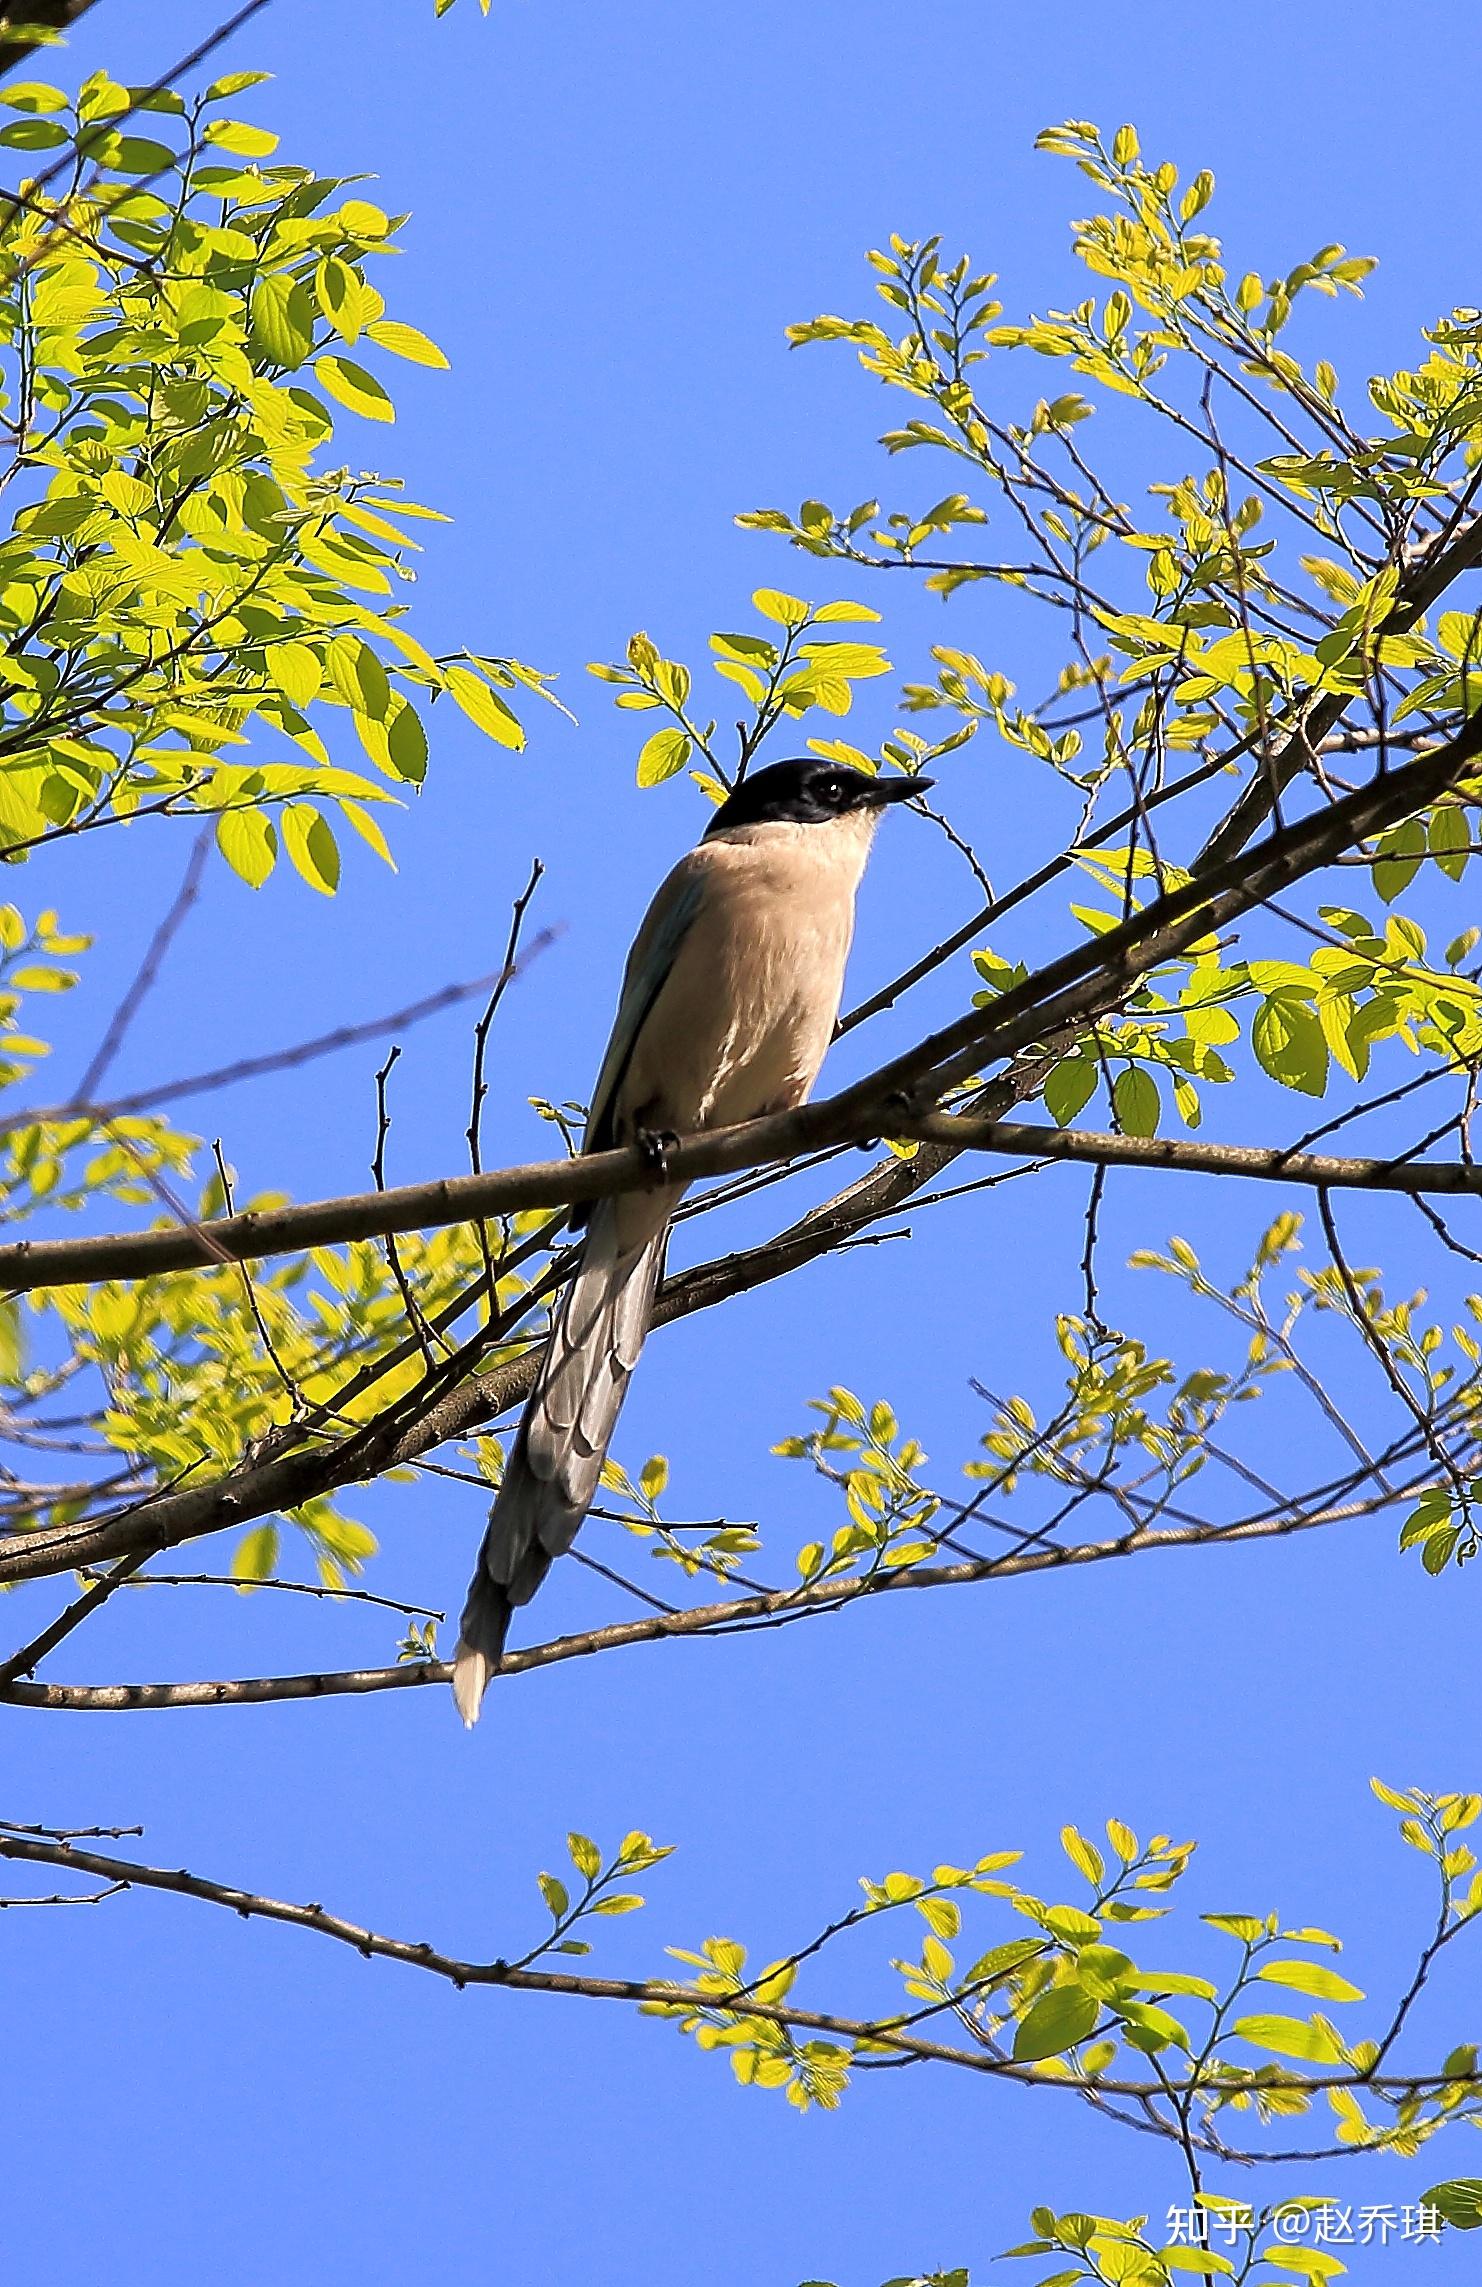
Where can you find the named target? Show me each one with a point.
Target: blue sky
(616, 211)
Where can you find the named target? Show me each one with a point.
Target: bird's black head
(808, 791)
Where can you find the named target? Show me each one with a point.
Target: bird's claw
(658, 1146)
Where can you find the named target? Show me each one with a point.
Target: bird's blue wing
(665, 927)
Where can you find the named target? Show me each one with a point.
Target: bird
(729, 1001)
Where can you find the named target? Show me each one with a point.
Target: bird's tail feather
(552, 1474)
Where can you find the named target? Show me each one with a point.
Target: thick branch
(23, 29)
(720, 1151)
(1422, 582)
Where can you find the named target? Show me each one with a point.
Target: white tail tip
(471, 1673)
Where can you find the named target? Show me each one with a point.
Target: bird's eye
(834, 792)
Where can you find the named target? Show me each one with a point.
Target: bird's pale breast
(745, 1018)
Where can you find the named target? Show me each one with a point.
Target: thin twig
(149, 969)
(777, 1607)
(278, 1060)
(23, 1662)
(886, 2032)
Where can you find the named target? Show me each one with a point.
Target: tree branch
(772, 1608)
(719, 1151)
(27, 28)
(876, 2033)
(1424, 580)
(1049, 1007)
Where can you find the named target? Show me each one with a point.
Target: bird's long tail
(551, 1476)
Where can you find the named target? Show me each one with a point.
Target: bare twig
(278, 1060)
(23, 1662)
(149, 969)
(773, 1608)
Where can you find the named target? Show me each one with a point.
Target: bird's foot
(658, 1146)
(899, 1104)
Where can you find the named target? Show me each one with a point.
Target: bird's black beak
(883, 790)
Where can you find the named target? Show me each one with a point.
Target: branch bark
(24, 29)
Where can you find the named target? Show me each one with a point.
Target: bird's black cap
(808, 791)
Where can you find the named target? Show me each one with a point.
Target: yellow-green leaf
(295, 669)
(255, 1557)
(351, 385)
(312, 847)
(783, 610)
(662, 756)
(404, 341)
(1054, 2023)
(242, 140)
(1309, 1977)
(248, 843)
(369, 829)
(485, 707)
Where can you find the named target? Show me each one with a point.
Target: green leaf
(349, 384)
(1459, 2201)
(342, 296)
(282, 321)
(1103, 1970)
(406, 744)
(1402, 850)
(662, 756)
(1289, 1044)
(1450, 840)
(358, 676)
(1136, 1101)
(1070, 1088)
(248, 843)
(135, 155)
(32, 135)
(1054, 2023)
(295, 669)
(585, 1856)
(1150, 2028)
